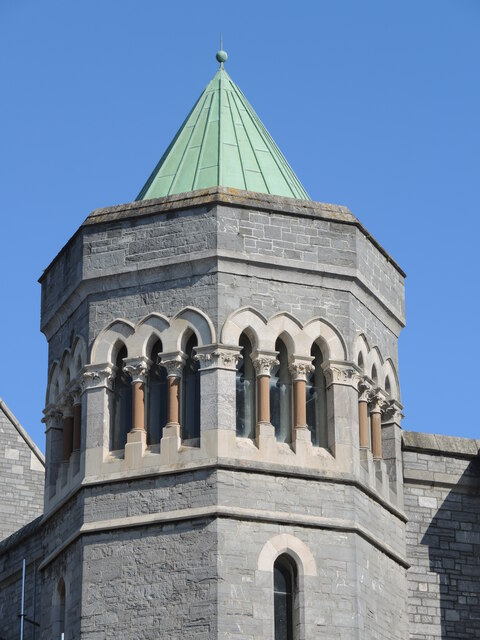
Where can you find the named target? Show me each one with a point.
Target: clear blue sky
(375, 104)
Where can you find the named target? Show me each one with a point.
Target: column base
(170, 443)
(135, 448)
(302, 441)
(265, 437)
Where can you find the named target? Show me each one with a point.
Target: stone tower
(223, 407)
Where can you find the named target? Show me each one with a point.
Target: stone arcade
(224, 453)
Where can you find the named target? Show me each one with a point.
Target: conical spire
(222, 143)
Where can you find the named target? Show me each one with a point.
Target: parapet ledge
(440, 445)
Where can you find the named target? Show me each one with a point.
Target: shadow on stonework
(453, 539)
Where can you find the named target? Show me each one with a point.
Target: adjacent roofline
(440, 445)
(9, 415)
(230, 197)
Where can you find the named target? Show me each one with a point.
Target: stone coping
(22, 432)
(21, 534)
(229, 197)
(441, 445)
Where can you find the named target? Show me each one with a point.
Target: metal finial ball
(221, 56)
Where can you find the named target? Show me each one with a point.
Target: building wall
(22, 474)
(442, 502)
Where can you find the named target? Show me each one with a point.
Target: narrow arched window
(121, 420)
(374, 375)
(245, 391)
(360, 361)
(281, 395)
(190, 394)
(59, 622)
(388, 387)
(284, 586)
(157, 393)
(317, 400)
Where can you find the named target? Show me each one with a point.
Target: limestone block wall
(22, 473)
(442, 502)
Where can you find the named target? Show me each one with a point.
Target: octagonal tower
(223, 405)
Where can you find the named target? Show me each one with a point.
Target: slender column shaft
(300, 404)
(138, 406)
(363, 423)
(376, 425)
(67, 439)
(77, 426)
(263, 391)
(173, 400)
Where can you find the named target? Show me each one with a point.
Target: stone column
(96, 384)
(77, 417)
(263, 362)
(53, 436)
(392, 445)
(67, 439)
(299, 368)
(137, 369)
(376, 404)
(171, 437)
(364, 391)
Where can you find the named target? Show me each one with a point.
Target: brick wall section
(22, 473)
(442, 502)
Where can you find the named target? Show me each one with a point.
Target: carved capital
(65, 405)
(75, 391)
(137, 368)
(217, 357)
(299, 368)
(173, 363)
(52, 418)
(264, 362)
(364, 390)
(96, 376)
(377, 401)
(392, 412)
(340, 373)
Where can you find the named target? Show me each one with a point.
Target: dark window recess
(245, 391)
(281, 415)
(157, 393)
(121, 422)
(190, 394)
(283, 596)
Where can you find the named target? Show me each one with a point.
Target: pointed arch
(286, 327)
(390, 373)
(291, 545)
(79, 355)
(187, 321)
(328, 338)
(118, 330)
(147, 332)
(52, 384)
(360, 352)
(375, 362)
(245, 320)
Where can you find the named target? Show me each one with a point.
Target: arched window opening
(59, 622)
(190, 394)
(388, 386)
(157, 393)
(121, 422)
(284, 591)
(281, 395)
(317, 400)
(374, 375)
(245, 391)
(360, 361)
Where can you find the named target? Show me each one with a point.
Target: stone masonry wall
(22, 474)
(442, 502)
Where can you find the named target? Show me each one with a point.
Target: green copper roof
(223, 143)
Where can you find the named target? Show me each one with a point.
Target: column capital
(344, 373)
(75, 390)
(173, 362)
(264, 361)
(378, 401)
(65, 404)
(96, 376)
(392, 412)
(137, 368)
(364, 389)
(300, 366)
(216, 356)
(52, 418)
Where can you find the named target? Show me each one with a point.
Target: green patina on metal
(223, 143)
